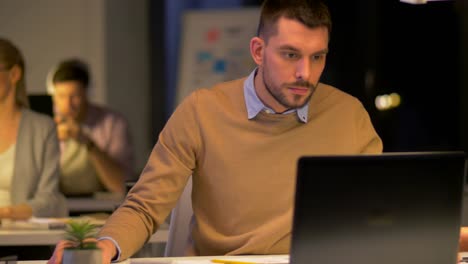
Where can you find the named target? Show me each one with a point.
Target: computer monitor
(400, 208)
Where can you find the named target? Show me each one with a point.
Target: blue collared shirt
(254, 105)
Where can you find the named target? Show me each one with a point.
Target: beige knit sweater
(243, 170)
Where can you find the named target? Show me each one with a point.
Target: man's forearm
(110, 172)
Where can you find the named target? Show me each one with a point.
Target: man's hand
(16, 212)
(5, 212)
(463, 244)
(107, 248)
(68, 128)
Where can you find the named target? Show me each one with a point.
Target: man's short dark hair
(311, 13)
(72, 70)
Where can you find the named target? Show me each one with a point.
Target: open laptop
(400, 208)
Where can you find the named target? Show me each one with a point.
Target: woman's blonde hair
(10, 56)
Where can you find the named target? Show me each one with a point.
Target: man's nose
(303, 69)
(67, 104)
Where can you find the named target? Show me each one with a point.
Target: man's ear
(15, 74)
(257, 48)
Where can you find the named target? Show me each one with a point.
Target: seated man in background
(97, 153)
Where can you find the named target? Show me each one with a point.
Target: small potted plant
(83, 247)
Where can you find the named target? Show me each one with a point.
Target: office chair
(179, 225)
(41, 103)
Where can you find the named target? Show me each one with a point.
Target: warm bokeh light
(387, 101)
(419, 2)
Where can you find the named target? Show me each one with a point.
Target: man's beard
(278, 94)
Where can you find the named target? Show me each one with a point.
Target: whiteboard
(215, 47)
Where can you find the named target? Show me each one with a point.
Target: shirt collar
(255, 106)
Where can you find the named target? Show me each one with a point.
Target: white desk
(191, 260)
(51, 237)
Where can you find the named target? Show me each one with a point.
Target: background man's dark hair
(72, 70)
(312, 13)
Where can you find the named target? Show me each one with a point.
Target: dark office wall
(462, 7)
(158, 64)
(419, 59)
(379, 47)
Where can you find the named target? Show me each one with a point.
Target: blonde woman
(29, 151)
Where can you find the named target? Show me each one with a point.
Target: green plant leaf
(78, 231)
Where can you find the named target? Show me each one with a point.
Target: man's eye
(318, 57)
(290, 55)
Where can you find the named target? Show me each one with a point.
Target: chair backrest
(41, 103)
(179, 225)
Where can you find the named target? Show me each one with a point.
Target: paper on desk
(282, 259)
(61, 222)
(34, 224)
(127, 261)
(168, 261)
(271, 259)
(149, 261)
(240, 260)
(37, 223)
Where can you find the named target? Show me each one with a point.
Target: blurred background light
(418, 2)
(387, 101)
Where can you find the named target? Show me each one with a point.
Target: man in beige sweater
(241, 140)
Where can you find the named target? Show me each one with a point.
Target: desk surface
(280, 259)
(51, 237)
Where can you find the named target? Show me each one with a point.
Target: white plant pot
(82, 256)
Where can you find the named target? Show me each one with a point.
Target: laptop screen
(367, 209)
